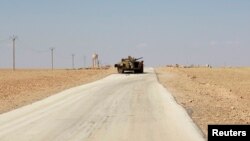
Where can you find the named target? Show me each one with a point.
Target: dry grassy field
(22, 87)
(210, 95)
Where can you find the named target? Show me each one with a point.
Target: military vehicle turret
(130, 64)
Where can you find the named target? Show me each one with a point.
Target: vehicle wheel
(141, 70)
(120, 70)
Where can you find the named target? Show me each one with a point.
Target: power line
(3, 40)
(31, 49)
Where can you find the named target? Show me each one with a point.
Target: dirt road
(128, 107)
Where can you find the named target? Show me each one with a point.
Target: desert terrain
(210, 95)
(22, 87)
(120, 107)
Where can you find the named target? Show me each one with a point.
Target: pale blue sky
(215, 32)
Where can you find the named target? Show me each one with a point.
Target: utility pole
(13, 38)
(52, 58)
(84, 61)
(73, 61)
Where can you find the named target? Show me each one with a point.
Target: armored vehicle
(130, 64)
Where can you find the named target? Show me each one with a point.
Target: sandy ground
(120, 107)
(210, 95)
(23, 87)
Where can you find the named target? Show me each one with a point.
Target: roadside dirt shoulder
(210, 95)
(24, 87)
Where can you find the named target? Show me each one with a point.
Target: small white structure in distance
(95, 61)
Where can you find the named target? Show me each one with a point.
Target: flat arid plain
(127, 102)
(210, 95)
(25, 86)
